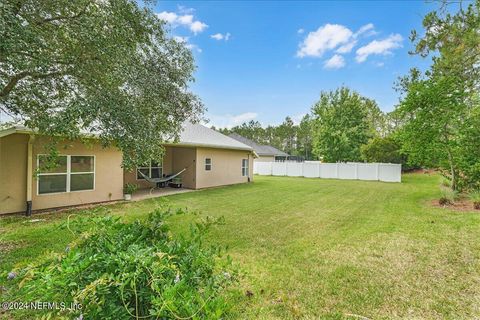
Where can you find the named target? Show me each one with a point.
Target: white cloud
(367, 29)
(326, 37)
(186, 20)
(335, 62)
(300, 31)
(331, 37)
(185, 10)
(219, 36)
(169, 17)
(382, 47)
(229, 120)
(347, 47)
(189, 45)
(198, 27)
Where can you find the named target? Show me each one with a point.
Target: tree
(341, 124)
(440, 109)
(382, 149)
(100, 66)
(304, 137)
(286, 132)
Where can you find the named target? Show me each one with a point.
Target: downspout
(31, 139)
(248, 159)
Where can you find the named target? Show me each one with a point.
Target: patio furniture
(176, 182)
(159, 181)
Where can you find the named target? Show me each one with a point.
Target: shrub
(123, 271)
(382, 149)
(130, 188)
(448, 197)
(446, 182)
(475, 197)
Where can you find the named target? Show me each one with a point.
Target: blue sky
(269, 60)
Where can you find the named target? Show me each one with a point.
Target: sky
(267, 60)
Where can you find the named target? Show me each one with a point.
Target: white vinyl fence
(388, 172)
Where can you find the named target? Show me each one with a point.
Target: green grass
(312, 248)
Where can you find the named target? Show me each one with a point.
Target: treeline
(294, 139)
(436, 123)
(338, 128)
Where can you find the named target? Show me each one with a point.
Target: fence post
(356, 170)
(336, 171)
(378, 171)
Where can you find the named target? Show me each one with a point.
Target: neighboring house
(265, 153)
(90, 173)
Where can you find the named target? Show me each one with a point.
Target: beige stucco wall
(185, 158)
(13, 173)
(226, 167)
(265, 159)
(108, 175)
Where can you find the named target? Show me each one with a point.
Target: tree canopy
(440, 108)
(343, 122)
(107, 67)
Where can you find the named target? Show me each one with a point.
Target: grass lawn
(313, 248)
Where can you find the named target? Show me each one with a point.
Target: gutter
(206, 145)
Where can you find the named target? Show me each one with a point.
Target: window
(151, 170)
(244, 167)
(208, 164)
(71, 173)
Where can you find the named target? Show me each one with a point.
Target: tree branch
(58, 18)
(24, 74)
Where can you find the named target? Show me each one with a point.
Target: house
(265, 153)
(89, 173)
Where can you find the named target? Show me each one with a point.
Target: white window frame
(69, 173)
(149, 171)
(245, 168)
(208, 164)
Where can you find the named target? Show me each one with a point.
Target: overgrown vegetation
(475, 197)
(135, 270)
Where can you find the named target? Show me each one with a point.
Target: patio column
(31, 139)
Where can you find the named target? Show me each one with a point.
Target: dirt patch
(458, 205)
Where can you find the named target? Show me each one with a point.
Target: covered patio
(142, 194)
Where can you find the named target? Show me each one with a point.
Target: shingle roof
(192, 135)
(201, 136)
(261, 150)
